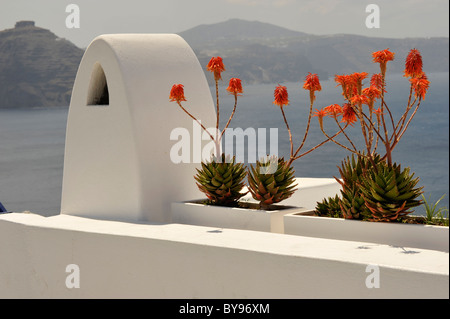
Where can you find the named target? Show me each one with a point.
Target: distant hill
(36, 67)
(263, 53)
(235, 30)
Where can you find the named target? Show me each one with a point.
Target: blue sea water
(32, 140)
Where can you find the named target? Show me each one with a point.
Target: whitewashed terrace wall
(129, 260)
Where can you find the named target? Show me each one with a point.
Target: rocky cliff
(37, 68)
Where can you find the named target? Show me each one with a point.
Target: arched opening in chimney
(98, 93)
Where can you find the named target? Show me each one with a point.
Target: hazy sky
(398, 18)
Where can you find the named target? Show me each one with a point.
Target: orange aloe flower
(312, 82)
(348, 114)
(347, 83)
(383, 57)
(281, 96)
(216, 66)
(177, 93)
(357, 79)
(372, 92)
(334, 110)
(342, 79)
(378, 111)
(235, 86)
(376, 81)
(420, 85)
(320, 114)
(413, 64)
(359, 99)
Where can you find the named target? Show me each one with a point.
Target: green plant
(383, 192)
(222, 180)
(259, 185)
(434, 214)
(352, 169)
(329, 207)
(389, 192)
(353, 205)
(270, 181)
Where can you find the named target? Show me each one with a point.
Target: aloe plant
(271, 181)
(435, 214)
(222, 180)
(329, 207)
(390, 192)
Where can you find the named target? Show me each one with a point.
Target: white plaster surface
(193, 213)
(396, 234)
(129, 260)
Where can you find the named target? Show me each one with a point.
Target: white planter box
(394, 234)
(196, 213)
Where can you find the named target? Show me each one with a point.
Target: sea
(32, 140)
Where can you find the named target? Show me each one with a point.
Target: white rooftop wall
(117, 160)
(130, 260)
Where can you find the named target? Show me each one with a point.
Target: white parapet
(117, 162)
(74, 257)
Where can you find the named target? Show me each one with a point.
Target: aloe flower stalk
(375, 123)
